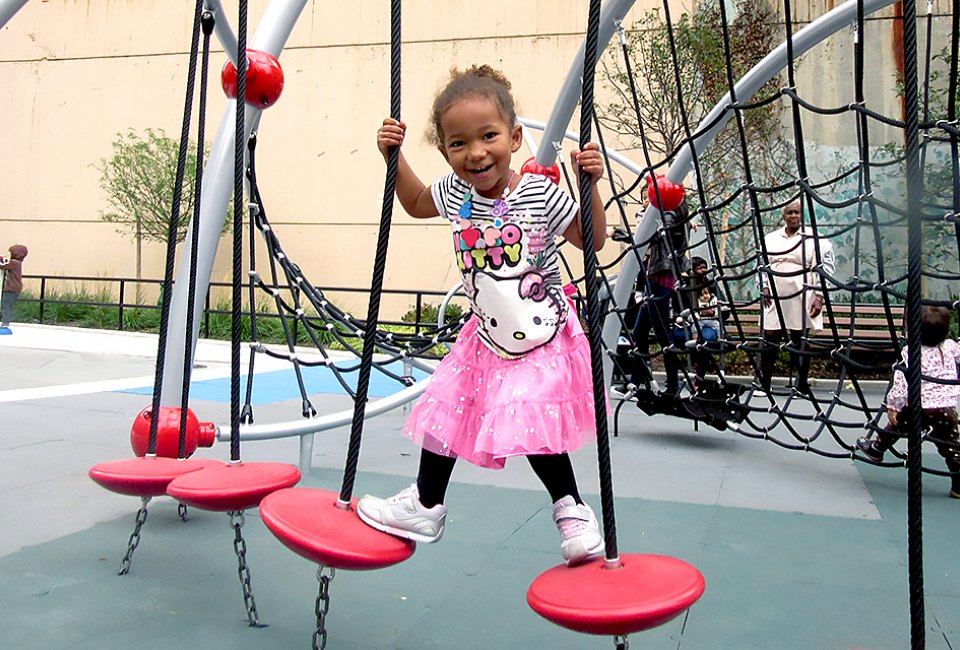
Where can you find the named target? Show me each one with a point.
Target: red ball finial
(531, 166)
(264, 79)
(671, 194)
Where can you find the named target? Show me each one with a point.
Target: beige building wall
(80, 71)
(77, 72)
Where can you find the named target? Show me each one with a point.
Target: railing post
(416, 327)
(43, 293)
(206, 315)
(120, 318)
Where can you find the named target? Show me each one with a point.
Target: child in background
(518, 380)
(707, 313)
(939, 359)
(12, 268)
(703, 326)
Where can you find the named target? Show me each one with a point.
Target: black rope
(167, 287)
(236, 314)
(914, 413)
(258, 221)
(332, 322)
(207, 23)
(246, 411)
(379, 266)
(752, 194)
(594, 320)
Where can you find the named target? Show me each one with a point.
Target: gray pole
(221, 26)
(274, 30)
(610, 16)
(8, 8)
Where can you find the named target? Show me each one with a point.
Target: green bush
(61, 307)
(429, 314)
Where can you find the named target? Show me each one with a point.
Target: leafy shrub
(429, 314)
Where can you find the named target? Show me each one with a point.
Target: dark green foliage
(429, 314)
(62, 307)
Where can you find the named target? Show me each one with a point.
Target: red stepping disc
(234, 486)
(309, 523)
(646, 591)
(145, 476)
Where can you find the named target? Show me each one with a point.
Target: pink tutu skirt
(484, 408)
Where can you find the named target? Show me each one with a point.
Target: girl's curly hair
(481, 80)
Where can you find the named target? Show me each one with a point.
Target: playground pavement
(799, 551)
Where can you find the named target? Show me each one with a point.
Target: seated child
(707, 307)
(706, 316)
(939, 360)
(703, 303)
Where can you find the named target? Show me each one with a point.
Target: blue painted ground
(280, 385)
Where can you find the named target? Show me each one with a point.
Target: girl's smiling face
(478, 143)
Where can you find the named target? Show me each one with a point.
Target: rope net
(843, 164)
(310, 319)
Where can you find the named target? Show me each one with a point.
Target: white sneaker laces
(404, 495)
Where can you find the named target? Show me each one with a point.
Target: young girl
(518, 380)
(939, 359)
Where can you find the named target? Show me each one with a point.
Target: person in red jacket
(12, 282)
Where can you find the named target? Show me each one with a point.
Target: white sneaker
(580, 538)
(758, 393)
(404, 516)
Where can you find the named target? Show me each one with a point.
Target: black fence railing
(116, 293)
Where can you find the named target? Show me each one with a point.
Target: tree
(702, 69)
(139, 180)
(941, 255)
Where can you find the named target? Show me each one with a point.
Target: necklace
(500, 206)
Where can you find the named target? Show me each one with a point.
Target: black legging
(768, 357)
(655, 313)
(555, 471)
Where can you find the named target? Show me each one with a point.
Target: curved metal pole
(535, 125)
(610, 16)
(221, 25)
(306, 428)
(274, 30)
(8, 8)
(817, 31)
(323, 422)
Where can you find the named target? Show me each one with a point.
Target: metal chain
(323, 606)
(182, 511)
(621, 642)
(134, 536)
(240, 547)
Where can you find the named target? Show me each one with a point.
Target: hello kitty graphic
(517, 314)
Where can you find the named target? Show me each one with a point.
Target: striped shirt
(509, 244)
